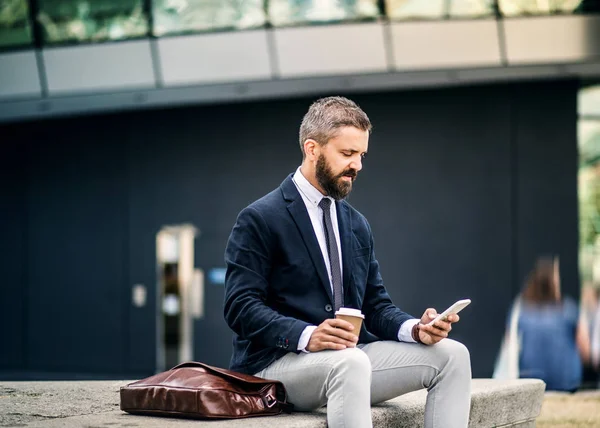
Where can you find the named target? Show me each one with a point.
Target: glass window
(588, 191)
(589, 199)
(184, 16)
(290, 12)
(471, 8)
(14, 23)
(415, 9)
(537, 7)
(439, 9)
(589, 141)
(589, 101)
(91, 20)
(588, 6)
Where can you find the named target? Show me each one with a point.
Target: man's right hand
(332, 334)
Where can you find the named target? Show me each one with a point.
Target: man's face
(340, 160)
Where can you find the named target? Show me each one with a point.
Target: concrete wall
(463, 188)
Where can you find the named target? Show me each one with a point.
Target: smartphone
(454, 309)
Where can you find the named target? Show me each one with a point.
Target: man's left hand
(431, 334)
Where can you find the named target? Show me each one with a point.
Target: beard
(333, 185)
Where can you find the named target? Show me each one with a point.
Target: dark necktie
(334, 256)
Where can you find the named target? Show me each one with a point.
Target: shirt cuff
(405, 332)
(305, 337)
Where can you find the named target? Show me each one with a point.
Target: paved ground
(32, 402)
(580, 410)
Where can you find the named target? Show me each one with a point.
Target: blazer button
(328, 308)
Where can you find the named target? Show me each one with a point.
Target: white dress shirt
(311, 197)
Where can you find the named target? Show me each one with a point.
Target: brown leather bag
(197, 390)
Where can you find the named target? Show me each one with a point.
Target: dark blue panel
(12, 251)
(546, 179)
(77, 248)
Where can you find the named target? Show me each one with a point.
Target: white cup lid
(350, 312)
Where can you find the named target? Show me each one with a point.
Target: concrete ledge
(494, 403)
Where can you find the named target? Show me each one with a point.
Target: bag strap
(268, 400)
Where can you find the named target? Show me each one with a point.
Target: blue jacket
(548, 350)
(277, 284)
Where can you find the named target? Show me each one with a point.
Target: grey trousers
(349, 381)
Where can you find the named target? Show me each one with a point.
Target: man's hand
(332, 334)
(431, 334)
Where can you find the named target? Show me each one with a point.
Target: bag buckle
(269, 400)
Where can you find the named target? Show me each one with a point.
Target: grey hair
(326, 115)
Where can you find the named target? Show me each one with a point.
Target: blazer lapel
(345, 227)
(298, 211)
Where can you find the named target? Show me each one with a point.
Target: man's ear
(311, 149)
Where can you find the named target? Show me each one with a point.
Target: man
(301, 252)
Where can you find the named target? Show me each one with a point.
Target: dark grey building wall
(546, 178)
(77, 237)
(463, 188)
(13, 259)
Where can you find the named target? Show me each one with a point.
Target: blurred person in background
(554, 338)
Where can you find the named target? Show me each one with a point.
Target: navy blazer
(276, 283)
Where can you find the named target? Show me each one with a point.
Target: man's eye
(364, 155)
(347, 154)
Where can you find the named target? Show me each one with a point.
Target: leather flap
(228, 373)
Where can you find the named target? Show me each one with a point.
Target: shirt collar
(308, 190)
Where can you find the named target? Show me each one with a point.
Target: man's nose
(356, 164)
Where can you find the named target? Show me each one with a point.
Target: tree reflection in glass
(415, 9)
(188, 16)
(438, 9)
(14, 23)
(589, 101)
(537, 7)
(291, 12)
(91, 20)
(470, 8)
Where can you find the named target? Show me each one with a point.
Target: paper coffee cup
(353, 316)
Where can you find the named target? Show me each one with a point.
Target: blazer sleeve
(249, 258)
(382, 317)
